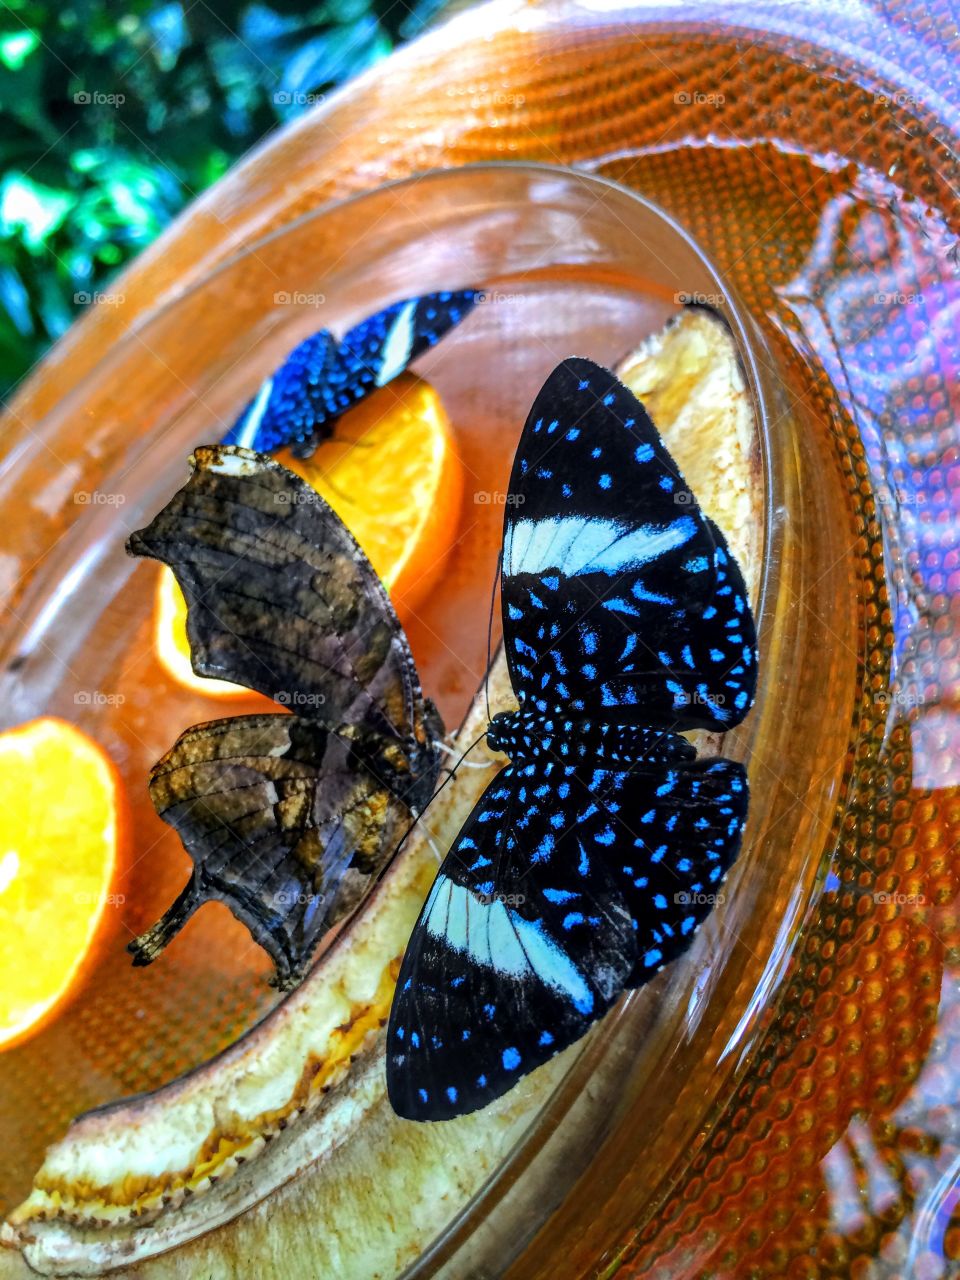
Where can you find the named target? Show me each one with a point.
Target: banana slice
(690, 381)
(282, 1156)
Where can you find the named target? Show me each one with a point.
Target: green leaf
(15, 301)
(16, 47)
(90, 183)
(32, 210)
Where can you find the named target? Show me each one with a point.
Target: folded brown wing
(286, 823)
(288, 817)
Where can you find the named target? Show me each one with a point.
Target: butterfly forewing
(294, 403)
(280, 597)
(620, 598)
(380, 347)
(533, 928)
(695, 672)
(524, 941)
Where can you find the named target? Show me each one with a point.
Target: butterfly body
(595, 854)
(524, 736)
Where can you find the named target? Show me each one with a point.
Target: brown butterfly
(287, 816)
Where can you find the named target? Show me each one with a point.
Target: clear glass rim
(156, 315)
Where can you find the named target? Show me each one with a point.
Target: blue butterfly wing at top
(379, 348)
(621, 600)
(294, 403)
(382, 346)
(321, 378)
(524, 941)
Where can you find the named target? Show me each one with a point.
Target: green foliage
(113, 117)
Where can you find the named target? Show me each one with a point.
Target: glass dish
(570, 264)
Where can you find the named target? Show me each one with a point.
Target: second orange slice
(60, 827)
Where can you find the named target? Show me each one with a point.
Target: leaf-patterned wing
(287, 823)
(280, 596)
(288, 818)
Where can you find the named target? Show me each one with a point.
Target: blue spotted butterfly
(593, 857)
(299, 405)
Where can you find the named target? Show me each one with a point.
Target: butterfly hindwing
(620, 597)
(524, 941)
(522, 898)
(698, 671)
(674, 834)
(274, 811)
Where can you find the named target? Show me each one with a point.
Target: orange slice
(172, 645)
(60, 800)
(393, 476)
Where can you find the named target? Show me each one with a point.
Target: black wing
(382, 346)
(678, 831)
(565, 886)
(288, 818)
(524, 941)
(299, 405)
(294, 403)
(621, 599)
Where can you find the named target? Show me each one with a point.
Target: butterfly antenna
(444, 746)
(493, 598)
(434, 847)
(451, 774)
